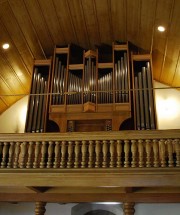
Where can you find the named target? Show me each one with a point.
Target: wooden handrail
(110, 135)
(123, 149)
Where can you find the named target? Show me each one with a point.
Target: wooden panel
(118, 14)
(13, 82)
(90, 197)
(176, 78)
(62, 10)
(160, 38)
(13, 59)
(14, 32)
(52, 21)
(5, 90)
(173, 46)
(3, 105)
(91, 22)
(133, 21)
(24, 22)
(78, 22)
(103, 21)
(147, 9)
(170, 63)
(40, 26)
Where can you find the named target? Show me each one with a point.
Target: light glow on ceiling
(5, 45)
(161, 28)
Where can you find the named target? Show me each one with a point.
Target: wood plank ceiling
(34, 27)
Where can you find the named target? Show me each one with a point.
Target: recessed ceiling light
(161, 28)
(5, 46)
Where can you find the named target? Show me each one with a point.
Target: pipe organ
(38, 100)
(143, 92)
(88, 90)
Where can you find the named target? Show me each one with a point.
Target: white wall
(13, 119)
(157, 209)
(57, 209)
(28, 208)
(167, 105)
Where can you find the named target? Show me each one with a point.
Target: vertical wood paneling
(10, 77)
(148, 9)
(103, 21)
(22, 17)
(5, 90)
(133, 21)
(14, 60)
(118, 14)
(173, 46)
(10, 26)
(78, 22)
(62, 11)
(52, 21)
(3, 105)
(176, 78)
(90, 22)
(160, 38)
(39, 24)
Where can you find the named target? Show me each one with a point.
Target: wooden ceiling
(34, 27)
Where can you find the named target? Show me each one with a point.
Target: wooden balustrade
(125, 149)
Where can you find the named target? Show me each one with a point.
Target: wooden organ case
(90, 90)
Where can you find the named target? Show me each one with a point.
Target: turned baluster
(105, 151)
(84, 152)
(36, 154)
(11, 153)
(134, 153)
(29, 163)
(40, 208)
(16, 155)
(112, 152)
(50, 154)
(63, 155)
(4, 155)
(77, 154)
(22, 155)
(162, 153)
(91, 154)
(98, 152)
(126, 153)
(43, 155)
(70, 154)
(128, 208)
(148, 153)
(170, 153)
(1, 146)
(57, 154)
(141, 153)
(156, 153)
(177, 151)
(119, 153)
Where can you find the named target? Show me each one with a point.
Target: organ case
(93, 97)
(38, 99)
(143, 93)
(90, 90)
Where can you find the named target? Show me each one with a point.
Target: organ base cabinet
(91, 90)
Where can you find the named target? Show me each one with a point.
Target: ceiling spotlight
(161, 28)
(5, 46)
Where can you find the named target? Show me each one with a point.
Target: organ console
(88, 90)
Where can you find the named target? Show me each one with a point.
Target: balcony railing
(123, 149)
